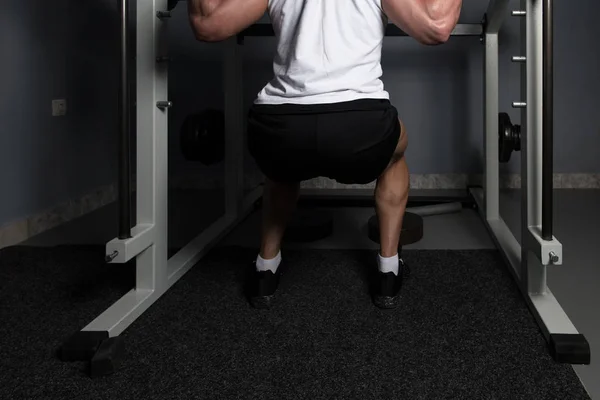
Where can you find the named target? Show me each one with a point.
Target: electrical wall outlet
(59, 107)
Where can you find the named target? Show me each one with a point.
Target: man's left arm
(217, 20)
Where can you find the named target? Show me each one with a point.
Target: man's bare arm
(217, 20)
(428, 21)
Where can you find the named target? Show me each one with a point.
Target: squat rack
(146, 241)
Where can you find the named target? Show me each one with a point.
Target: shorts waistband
(295, 109)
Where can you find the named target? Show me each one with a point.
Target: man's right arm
(428, 21)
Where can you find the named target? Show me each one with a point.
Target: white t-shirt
(328, 51)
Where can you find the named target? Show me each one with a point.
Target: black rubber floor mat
(462, 331)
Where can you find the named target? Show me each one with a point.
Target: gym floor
(576, 226)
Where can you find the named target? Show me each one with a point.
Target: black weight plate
(203, 137)
(506, 144)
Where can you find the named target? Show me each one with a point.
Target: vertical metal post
(526, 127)
(492, 23)
(548, 121)
(534, 274)
(491, 99)
(152, 142)
(124, 185)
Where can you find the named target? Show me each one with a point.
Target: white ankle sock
(389, 264)
(268, 265)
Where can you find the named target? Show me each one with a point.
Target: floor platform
(576, 225)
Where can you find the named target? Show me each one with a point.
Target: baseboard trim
(25, 228)
(19, 231)
(461, 181)
(198, 180)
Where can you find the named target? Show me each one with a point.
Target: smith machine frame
(146, 239)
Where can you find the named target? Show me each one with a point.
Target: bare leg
(279, 202)
(391, 196)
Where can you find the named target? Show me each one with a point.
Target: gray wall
(50, 50)
(69, 49)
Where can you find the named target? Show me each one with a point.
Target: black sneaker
(386, 287)
(261, 287)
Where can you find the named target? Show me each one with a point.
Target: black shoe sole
(262, 302)
(386, 302)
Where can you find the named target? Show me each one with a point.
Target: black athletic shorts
(351, 142)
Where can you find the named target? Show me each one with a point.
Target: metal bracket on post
(120, 251)
(163, 14)
(549, 252)
(163, 105)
